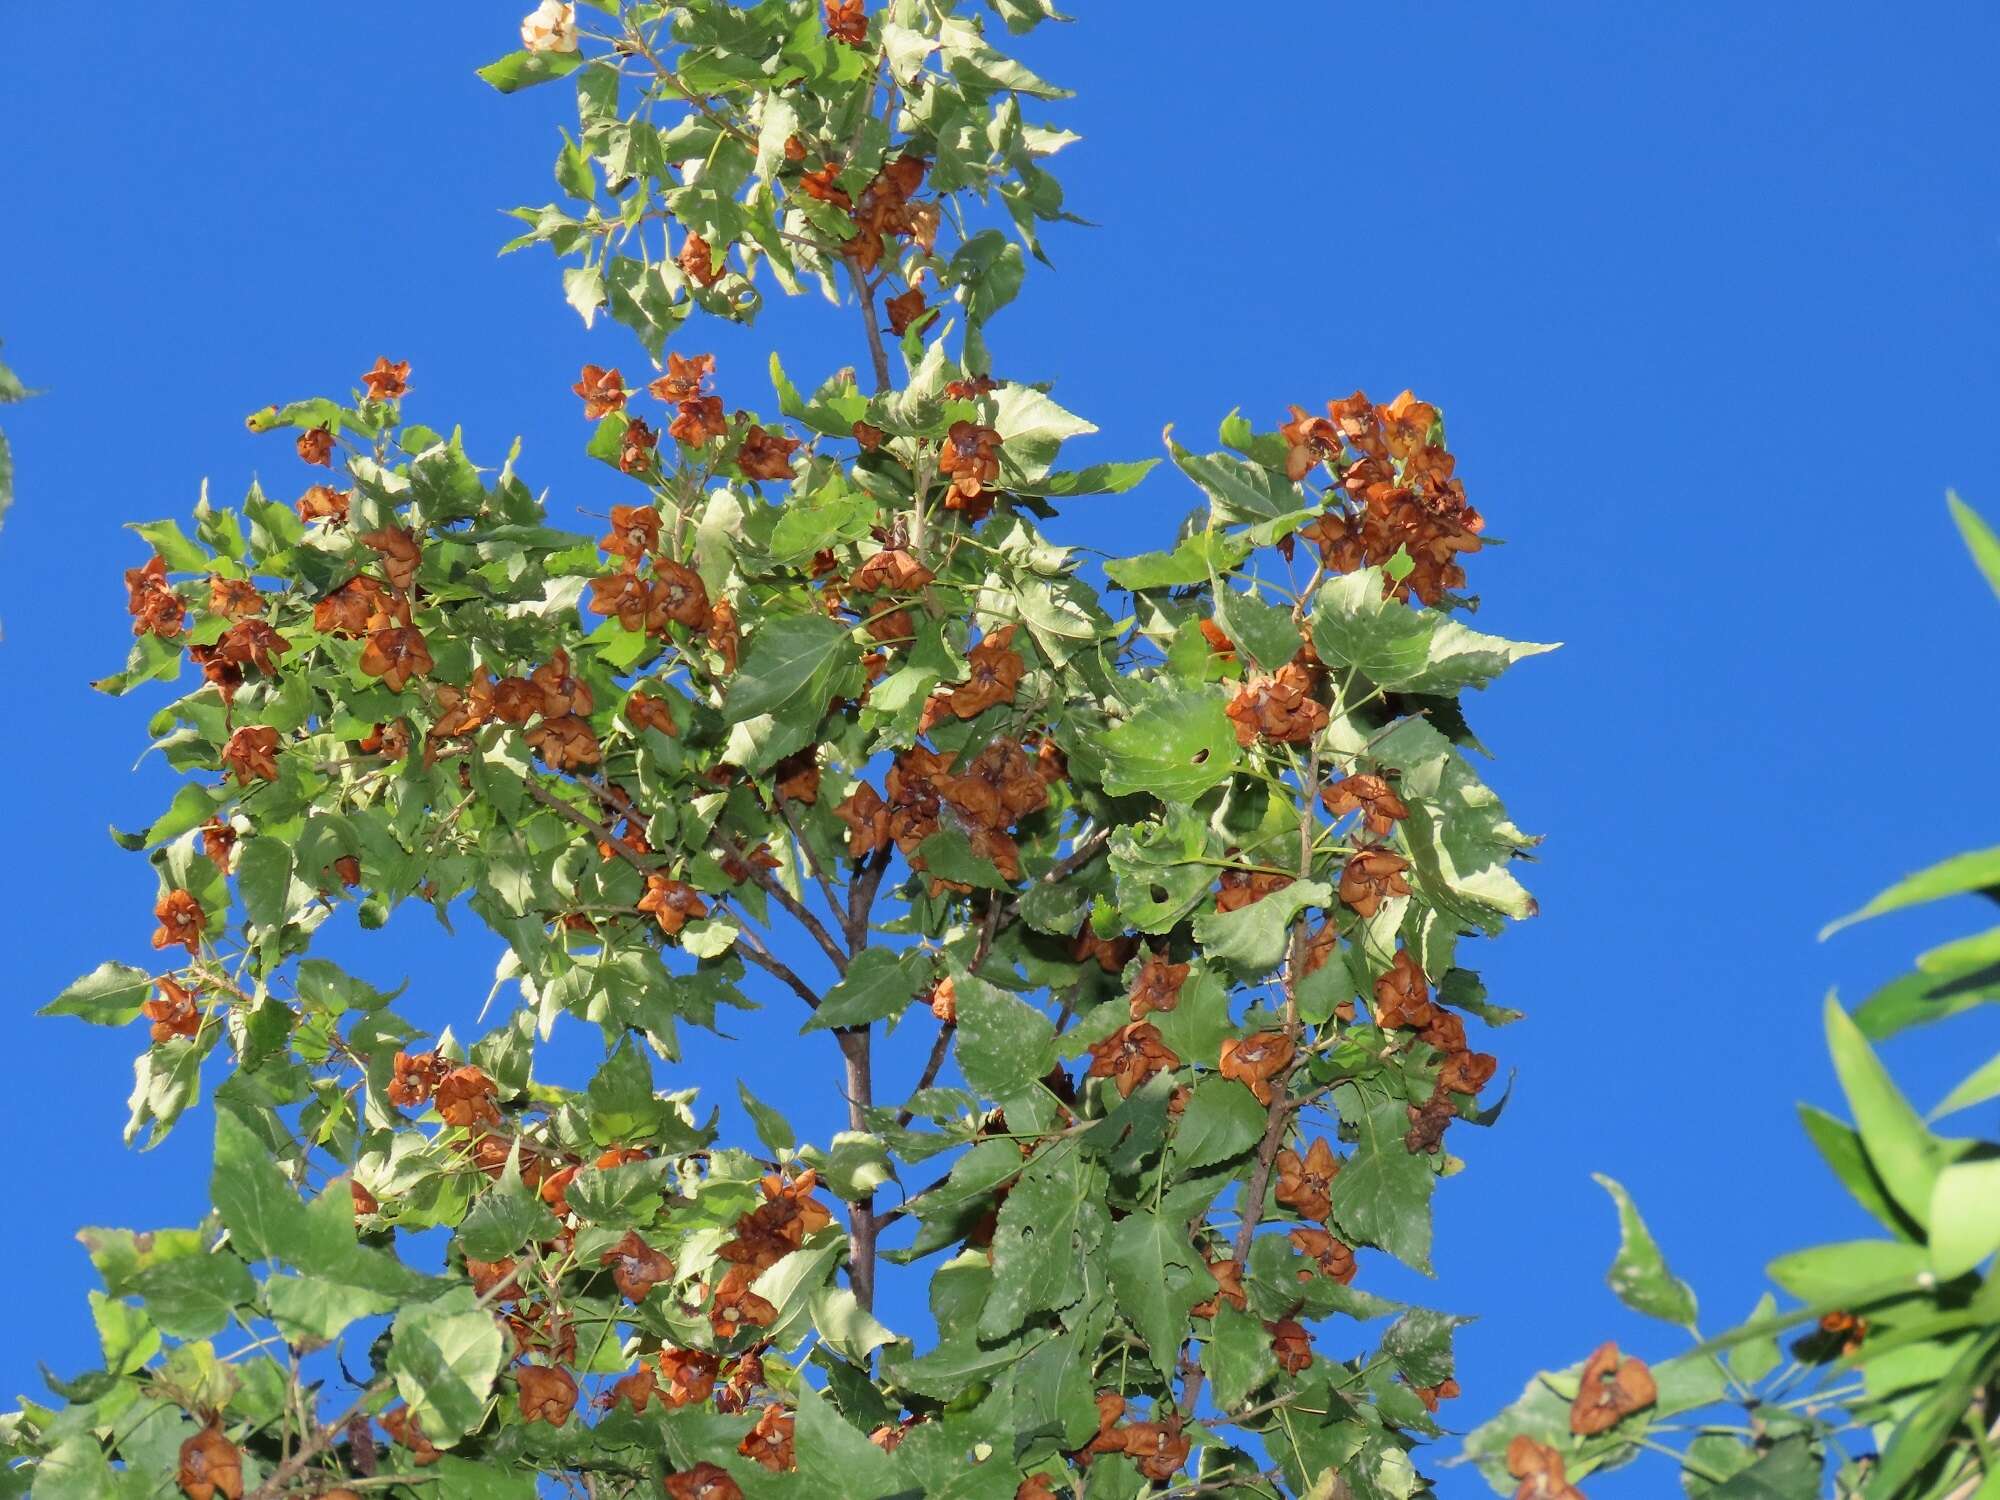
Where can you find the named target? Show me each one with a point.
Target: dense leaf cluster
(823, 732)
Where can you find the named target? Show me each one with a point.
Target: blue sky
(1710, 294)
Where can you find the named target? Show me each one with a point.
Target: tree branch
(801, 913)
(770, 963)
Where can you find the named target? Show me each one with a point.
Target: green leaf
(1004, 1044)
(1639, 1276)
(1957, 876)
(1237, 1356)
(1238, 491)
(192, 1296)
(1755, 1358)
(1403, 649)
(1264, 634)
(1049, 1225)
(1834, 1273)
(794, 667)
(1979, 539)
(1382, 1196)
(1905, 1155)
(623, 1106)
(835, 1457)
(772, 1128)
(1790, 1471)
(1156, 1276)
(264, 880)
(1253, 937)
(1178, 745)
(503, 1219)
(1197, 559)
(1419, 1344)
(109, 995)
(1965, 1216)
(445, 1354)
(520, 70)
(1222, 1119)
(1841, 1149)
(1981, 1084)
(258, 1203)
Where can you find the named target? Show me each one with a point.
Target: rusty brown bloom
(636, 1266)
(1331, 1258)
(547, 1395)
(770, 1442)
(1371, 877)
(408, 1432)
(1291, 1344)
(1158, 985)
(1304, 1182)
(705, 1481)
(765, 455)
(181, 921)
(465, 1098)
(1611, 1390)
(1131, 1055)
(252, 754)
(635, 447)
(1540, 1469)
(697, 261)
(686, 378)
(387, 382)
(1257, 1061)
(1380, 808)
(603, 391)
(1277, 706)
(905, 310)
(396, 655)
(847, 22)
(689, 1375)
(1403, 996)
(210, 1465)
(172, 1011)
(315, 446)
(672, 903)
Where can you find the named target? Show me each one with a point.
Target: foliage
(1881, 1374)
(11, 390)
(1175, 877)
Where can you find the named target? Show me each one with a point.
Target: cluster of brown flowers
(463, 1096)
(877, 592)
(764, 1236)
(1401, 495)
(1279, 706)
(671, 903)
(698, 420)
(994, 670)
(1403, 1002)
(155, 608)
(1158, 1448)
(997, 788)
(886, 210)
(970, 459)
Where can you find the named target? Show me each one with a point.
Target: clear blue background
(1708, 292)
